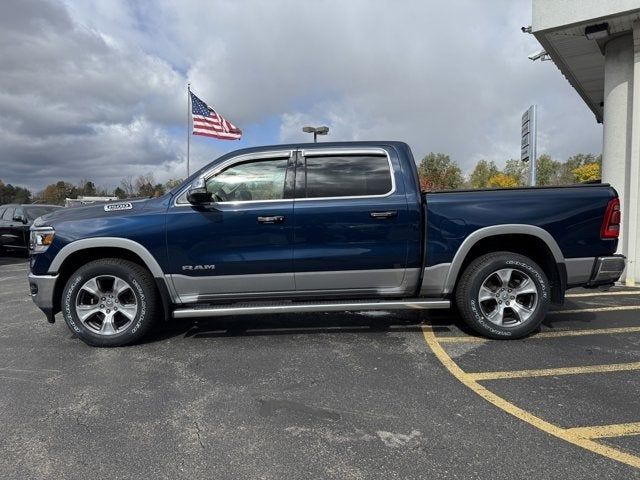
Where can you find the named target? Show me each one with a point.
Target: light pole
(316, 131)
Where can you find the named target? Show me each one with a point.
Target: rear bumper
(607, 270)
(42, 288)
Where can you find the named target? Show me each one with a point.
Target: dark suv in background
(15, 221)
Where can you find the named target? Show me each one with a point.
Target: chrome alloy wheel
(508, 297)
(106, 304)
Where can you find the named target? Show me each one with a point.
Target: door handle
(386, 214)
(271, 219)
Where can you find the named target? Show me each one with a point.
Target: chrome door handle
(272, 219)
(382, 215)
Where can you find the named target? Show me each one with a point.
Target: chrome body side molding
(293, 307)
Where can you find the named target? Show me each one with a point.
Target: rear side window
(347, 176)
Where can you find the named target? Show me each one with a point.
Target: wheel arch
(76, 254)
(529, 240)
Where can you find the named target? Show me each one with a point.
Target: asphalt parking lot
(344, 396)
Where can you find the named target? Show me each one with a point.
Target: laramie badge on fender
(115, 207)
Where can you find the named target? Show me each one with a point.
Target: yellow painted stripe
(519, 413)
(607, 431)
(595, 310)
(601, 294)
(550, 372)
(552, 334)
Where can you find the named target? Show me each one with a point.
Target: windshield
(35, 212)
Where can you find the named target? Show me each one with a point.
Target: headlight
(40, 238)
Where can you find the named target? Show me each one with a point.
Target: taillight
(611, 222)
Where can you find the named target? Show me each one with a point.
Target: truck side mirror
(20, 218)
(199, 196)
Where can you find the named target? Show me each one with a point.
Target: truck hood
(111, 209)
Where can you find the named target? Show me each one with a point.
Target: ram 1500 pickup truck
(321, 227)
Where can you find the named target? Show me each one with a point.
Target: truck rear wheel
(110, 302)
(503, 295)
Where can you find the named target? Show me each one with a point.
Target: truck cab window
(347, 176)
(250, 181)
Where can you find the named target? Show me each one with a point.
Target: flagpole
(188, 125)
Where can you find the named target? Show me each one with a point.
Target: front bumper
(607, 270)
(42, 288)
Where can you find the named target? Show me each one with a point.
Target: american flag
(211, 124)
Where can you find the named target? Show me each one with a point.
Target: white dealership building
(596, 46)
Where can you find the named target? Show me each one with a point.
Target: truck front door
(242, 244)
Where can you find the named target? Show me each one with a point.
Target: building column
(617, 120)
(633, 270)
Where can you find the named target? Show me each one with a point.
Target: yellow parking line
(600, 294)
(595, 310)
(550, 372)
(607, 431)
(519, 413)
(553, 334)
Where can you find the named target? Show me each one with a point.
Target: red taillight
(611, 222)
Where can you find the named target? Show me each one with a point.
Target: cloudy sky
(97, 90)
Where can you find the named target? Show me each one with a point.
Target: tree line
(143, 186)
(438, 172)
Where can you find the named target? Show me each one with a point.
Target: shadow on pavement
(13, 258)
(308, 324)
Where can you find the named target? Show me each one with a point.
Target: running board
(298, 307)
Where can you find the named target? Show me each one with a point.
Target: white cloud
(82, 79)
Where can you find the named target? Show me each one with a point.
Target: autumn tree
(567, 170)
(56, 193)
(502, 180)
(438, 172)
(484, 171)
(587, 172)
(517, 169)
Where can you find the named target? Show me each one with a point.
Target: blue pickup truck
(321, 227)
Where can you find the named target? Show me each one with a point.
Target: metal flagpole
(188, 125)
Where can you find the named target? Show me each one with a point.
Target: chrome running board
(298, 307)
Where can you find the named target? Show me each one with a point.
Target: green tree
(481, 174)
(438, 172)
(11, 194)
(120, 193)
(87, 189)
(547, 171)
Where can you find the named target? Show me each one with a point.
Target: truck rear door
(351, 223)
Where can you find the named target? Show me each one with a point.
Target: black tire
(122, 330)
(507, 314)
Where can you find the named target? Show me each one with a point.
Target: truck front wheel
(110, 302)
(503, 295)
